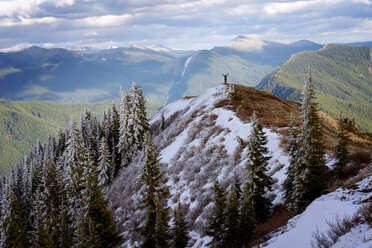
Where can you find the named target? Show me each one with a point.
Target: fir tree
(179, 231)
(232, 218)
(247, 220)
(104, 166)
(292, 150)
(162, 235)
(13, 225)
(310, 170)
(40, 236)
(98, 224)
(342, 153)
(217, 220)
(258, 181)
(125, 130)
(155, 190)
(137, 121)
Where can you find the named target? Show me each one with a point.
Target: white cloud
(104, 21)
(282, 8)
(21, 21)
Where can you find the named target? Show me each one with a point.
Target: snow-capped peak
(247, 44)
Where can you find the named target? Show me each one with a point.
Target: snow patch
(247, 44)
(187, 62)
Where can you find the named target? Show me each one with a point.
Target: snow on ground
(327, 208)
(358, 237)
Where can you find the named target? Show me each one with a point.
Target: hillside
(164, 74)
(23, 123)
(198, 144)
(342, 78)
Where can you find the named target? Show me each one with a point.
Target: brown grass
(274, 112)
(279, 217)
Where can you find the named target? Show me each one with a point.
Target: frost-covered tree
(292, 150)
(310, 170)
(180, 235)
(216, 223)
(162, 234)
(258, 181)
(73, 172)
(40, 234)
(155, 190)
(13, 224)
(247, 220)
(137, 121)
(231, 225)
(342, 152)
(53, 196)
(104, 166)
(97, 224)
(126, 129)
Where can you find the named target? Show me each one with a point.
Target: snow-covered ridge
(247, 44)
(326, 209)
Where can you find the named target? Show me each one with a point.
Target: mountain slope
(23, 123)
(70, 76)
(246, 60)
(342, 80)
(198, 144)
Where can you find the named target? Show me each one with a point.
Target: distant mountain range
(342, 80)
(73, 76)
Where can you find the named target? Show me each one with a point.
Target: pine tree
(155, 190)
(53, 195)
(126, 128)
(40, 236)
(162, 235)
(292, 150)
(13, 225)
(218, 218)
(137, 121)
(258, 181)
(231, 225)
(247, 221)
(342, 153)
(310, 170)
(179, 231)
(104, 166)
(113, 140)
(97, 223)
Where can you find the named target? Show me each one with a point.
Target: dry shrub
(279, 217)
(284, 143)
(360, 158)
(342, 226)
(350, 183)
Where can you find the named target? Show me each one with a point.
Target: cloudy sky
(180, 24)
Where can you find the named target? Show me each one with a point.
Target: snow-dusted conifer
(104, 166)
(231, 225)
(125, 129)
(258, 181)
(217, 219)
(247, 220)
(180, 235)
(13, 224)
(155, 190)
(40, 234)
(137, 121)
(293, 152)
(342, 152)
(96, 225)
(310, 170)
(162, 234)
